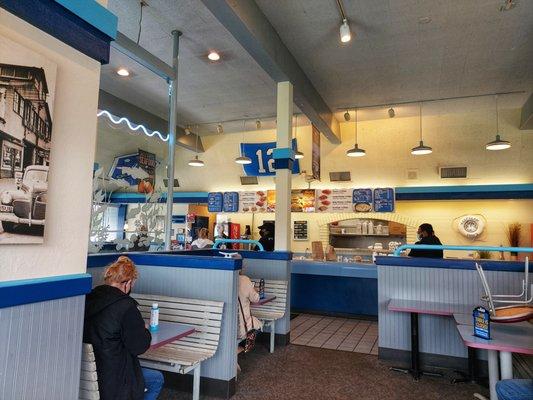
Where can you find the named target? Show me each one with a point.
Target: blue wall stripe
(509, 266)
(352, 270)
(168, 260)
(258, 255)
(26, 291)
(516, 191)
(179, 197)
(95, 14)
(54, 19)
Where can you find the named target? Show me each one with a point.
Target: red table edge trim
(164, 342)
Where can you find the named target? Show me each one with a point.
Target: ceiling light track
(429, 100)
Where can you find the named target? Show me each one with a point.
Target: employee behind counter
(266, 231)
(426, 235)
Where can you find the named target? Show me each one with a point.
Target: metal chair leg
(196, 383)
(272, 336)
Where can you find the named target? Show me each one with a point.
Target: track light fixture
(220, 128)
(257, 124)
(347, 116)
(344, 30)
(187, 130)
(391, 112)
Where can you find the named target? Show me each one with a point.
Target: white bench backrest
(278, 305)
(89, 376)
(204, 315)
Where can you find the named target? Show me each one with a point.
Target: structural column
(283, 160)
(172, 122)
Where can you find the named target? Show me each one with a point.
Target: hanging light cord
(140, 21)
(497, 116)
(420, 112)
(196, 145)
(355, 126)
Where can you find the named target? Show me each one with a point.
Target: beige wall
(73, 142)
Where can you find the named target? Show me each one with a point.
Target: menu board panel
(362, 200)
(252, 201)
(271, 200)
(231, 202)
(303, 200)
(334, 200)
(214, 202)
(384, 200)
(300, 230)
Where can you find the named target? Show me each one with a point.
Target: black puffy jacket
(115, 328)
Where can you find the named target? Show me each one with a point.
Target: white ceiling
(234, 88)
(468, 48)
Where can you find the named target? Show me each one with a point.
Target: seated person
(141, 241)
(118, 334)
(426, 235)
(202, 241)
(248, 294)
(515, 389)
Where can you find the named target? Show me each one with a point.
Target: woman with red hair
(118, 334)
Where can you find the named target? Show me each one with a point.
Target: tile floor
(345, 334)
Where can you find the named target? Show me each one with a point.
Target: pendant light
(356, 151)
(421, 149)
(242, 159)
(499, 143)
(298, 155)
(196, 162)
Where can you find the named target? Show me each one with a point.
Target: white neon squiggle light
(133, 127)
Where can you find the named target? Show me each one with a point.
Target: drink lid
(155, 305)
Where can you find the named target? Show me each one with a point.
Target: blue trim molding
(283, 158)
(488, 265)
(351, 270)
(178, 198)
(27, 291)
(175, 260)
(84, 24)
(467, 192)
(256, 255)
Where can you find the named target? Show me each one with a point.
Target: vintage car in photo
(25, 205)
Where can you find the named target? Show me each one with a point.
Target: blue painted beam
(26, 291)
(62, 23)
(465, 192)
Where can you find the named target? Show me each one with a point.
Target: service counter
(334, 288)
(450, 281)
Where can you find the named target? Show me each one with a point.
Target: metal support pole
(172, 122)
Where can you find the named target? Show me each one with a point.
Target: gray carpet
(305, 373)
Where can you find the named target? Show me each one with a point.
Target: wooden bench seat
(270, 312)
(186, 354)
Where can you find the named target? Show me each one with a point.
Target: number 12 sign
(262, 160)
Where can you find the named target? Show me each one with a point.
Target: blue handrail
(220, 241)
(475, 248)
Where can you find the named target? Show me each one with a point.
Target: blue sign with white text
(262, 159)
(231, 202)
(384, 200)
(215, 202)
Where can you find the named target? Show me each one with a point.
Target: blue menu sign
(384, 200)
(231, 202)
(362, 200)
(481, 323)
(215, 202)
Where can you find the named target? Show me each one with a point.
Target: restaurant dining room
(257, 199)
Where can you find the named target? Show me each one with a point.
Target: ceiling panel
(468, 48)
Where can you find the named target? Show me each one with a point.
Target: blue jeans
(515, 389)
(153, 382)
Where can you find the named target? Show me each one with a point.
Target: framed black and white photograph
(27, 84)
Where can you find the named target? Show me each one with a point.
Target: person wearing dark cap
(266, 231)
(426, 235)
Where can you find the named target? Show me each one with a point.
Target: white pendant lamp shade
(196, 162)
(298, 155)
(356, 151)
(345, 33)
(421, 149)
(243, 160)
(498, 144)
